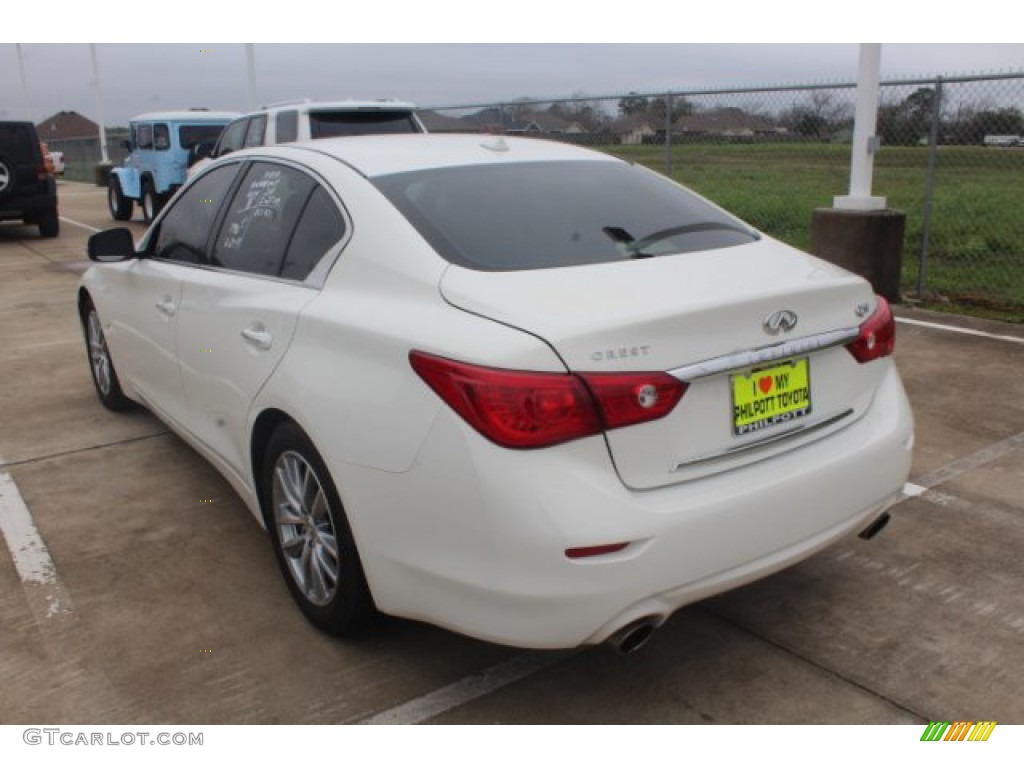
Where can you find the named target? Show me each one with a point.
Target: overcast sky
(137, 78)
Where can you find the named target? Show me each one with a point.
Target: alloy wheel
(305, 529)
(99, 357)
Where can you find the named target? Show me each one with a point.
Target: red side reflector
(604, 549)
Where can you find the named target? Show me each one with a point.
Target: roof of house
(727, 120)
(67, 124)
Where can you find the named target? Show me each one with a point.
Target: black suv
(28, 189)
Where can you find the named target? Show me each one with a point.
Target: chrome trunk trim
(729, 453)
(767, 354)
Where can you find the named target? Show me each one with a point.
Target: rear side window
(520, 216)
(286, 126)
(185, 229)
(323, 125)
(190, 135)
(320, 227)
(261, 218)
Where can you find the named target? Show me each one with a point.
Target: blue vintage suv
(160, 144)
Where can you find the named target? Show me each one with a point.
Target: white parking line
(957, 329)
(66, 220)
(467, 689)
(46, 596)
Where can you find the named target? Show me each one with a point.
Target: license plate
(770, 396)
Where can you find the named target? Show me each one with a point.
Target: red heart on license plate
(765, 383)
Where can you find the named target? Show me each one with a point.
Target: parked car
(159, 144)
(292, 121)
(57, 158)
(28, 190)
(516, 388)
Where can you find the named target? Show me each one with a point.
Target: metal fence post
(926, 216)
(668, 135)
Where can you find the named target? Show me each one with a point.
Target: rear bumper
(27, 206)
(473, 537)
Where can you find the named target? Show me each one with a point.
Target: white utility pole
(104, 157)
(30, 113)
(865, 142)
(250, 60)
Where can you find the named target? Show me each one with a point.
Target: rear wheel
(312, 539)
(8, 177)
(120, 206)
(151, 201)
(49, 223)
(104, 377)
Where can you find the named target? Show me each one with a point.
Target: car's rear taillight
(526, 409)
(877, 336)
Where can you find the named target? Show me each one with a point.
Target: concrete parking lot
(136, 588)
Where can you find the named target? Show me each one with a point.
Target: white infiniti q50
(518, 389)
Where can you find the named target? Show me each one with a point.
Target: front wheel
(104, 377)
(119, 205)
(312, 540)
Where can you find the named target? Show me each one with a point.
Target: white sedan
(519, 389)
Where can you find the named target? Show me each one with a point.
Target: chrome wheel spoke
(305, 529)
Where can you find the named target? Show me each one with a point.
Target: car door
(146, 296)
(238, 316)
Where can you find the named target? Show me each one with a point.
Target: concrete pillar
(869, 243)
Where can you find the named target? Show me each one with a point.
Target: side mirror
(112, 245)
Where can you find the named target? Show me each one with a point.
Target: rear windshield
(556, 214)
(324, 125)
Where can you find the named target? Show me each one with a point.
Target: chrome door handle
(259, 336)
(166, 307)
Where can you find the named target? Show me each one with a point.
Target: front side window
(557, 214)
(161, 136)
(261, 219)
(185, 230)
(257, 129)
(233, 137)
(144, 134)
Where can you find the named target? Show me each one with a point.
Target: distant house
(635, 129)
(65, 125)
(437, 123)
(728, 122)
(525, 122)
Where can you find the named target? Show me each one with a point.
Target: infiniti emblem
(784, 320)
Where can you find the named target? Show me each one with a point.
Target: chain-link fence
(952, 158)
(81, 156)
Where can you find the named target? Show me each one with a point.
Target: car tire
(101, 365)
(8, 176)
(151, 202)
(312, 540)
(120, 206)
(49, 223)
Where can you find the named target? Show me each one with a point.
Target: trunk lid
(700, 315)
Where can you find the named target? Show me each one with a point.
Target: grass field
(975, 260)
